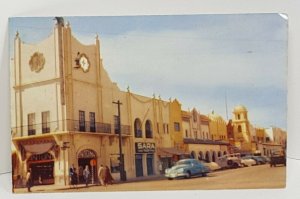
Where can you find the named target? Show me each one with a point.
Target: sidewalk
(47, 188)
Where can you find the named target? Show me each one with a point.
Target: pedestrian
(86, 175)
(71, 172)
(29, 180)
(74, 179)
(108, 178)
(80, 173)
(160, 168)
(101, 175)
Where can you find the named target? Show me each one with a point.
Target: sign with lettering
(144, 147)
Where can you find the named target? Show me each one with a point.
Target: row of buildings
(64, 113)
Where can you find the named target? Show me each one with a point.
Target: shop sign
(144, 147)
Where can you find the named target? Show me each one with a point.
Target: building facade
(198, 138)
(65, 113)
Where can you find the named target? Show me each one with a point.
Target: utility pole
(121, 157)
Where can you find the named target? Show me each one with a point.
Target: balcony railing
(87, 126)
(125, 130)
(34, 129)
(67, 125)
(200, 141)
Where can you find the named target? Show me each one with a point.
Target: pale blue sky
(194, 58)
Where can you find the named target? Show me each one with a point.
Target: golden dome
(239, 108)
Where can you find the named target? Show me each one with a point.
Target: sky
(201, 60)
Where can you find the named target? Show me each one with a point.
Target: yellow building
(64, 113)
(217, 127)
(198, 138)
(241, 129)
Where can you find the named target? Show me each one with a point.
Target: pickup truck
(277, 159)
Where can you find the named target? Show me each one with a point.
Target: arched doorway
(193, 155)
(219, 154)
(42, 168)
(200, 156)
(214, 156)
(87, 157)
(224, 153)
(207, 156)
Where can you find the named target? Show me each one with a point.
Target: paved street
(243, 178)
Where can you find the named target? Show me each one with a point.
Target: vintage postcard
(139, 103)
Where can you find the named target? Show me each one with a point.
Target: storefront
(42, 168)
(169, 156)
(144, 152)
(87, 158)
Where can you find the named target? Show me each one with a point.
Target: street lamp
(121, 157)
(64, 147)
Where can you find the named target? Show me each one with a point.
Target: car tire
(188, 175)
(170, 178)
(204, 174)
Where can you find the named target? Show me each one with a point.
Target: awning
(38, 146)
(169, 152)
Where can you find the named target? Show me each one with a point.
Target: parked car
(267, 159)
(258, 159)
(247, 161)
(229, 161)
(186, 168)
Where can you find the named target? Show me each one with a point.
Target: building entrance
(150, 164)
(139, 165)
(87, 158)
(42, 168)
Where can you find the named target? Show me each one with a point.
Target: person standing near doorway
(86, 175)
(29, 180)
(101, 175)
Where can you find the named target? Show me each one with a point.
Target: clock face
(84, 63)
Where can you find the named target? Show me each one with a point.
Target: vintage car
(186, 168)
(258, 159)
(229, 161)
(277, 158)
(247, 162)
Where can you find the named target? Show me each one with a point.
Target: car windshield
(183, 162)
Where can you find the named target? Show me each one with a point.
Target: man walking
(86, 175)
(29, 180)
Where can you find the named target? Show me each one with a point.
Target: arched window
(148, 126)
(239, 128)
(138, 128)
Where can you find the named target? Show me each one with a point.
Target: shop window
(115, 163)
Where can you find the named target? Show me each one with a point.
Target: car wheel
(188, 175)
(170, 178)
(204, 174)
